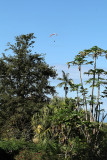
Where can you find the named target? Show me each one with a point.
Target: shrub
(28, 155)
(11, 148)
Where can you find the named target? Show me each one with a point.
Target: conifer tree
(24, 84)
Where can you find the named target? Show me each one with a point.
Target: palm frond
(61, 84)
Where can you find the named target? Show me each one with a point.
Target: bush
(28, 155)
(11, 148)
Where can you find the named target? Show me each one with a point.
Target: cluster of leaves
(63, 135)
(77, 138)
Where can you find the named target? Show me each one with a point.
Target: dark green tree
(24, 85)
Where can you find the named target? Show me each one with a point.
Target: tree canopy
(24, 82)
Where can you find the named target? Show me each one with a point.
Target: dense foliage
(34, 126)
(24, 86)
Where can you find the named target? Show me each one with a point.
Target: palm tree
(94, 52)
(65, 82)
(79, 61)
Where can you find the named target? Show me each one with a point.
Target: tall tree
(82, 59)
(24, 83)
(79, 61)
(94, 52)
(65, 81)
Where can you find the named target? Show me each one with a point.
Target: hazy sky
(79, 24)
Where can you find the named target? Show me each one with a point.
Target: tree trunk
(84, 97)
(77, 100)
(98, 96)
(66, 91)
(92, 93)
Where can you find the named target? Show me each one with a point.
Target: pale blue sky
(80, 24)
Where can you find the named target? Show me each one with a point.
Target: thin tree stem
(84, 97)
